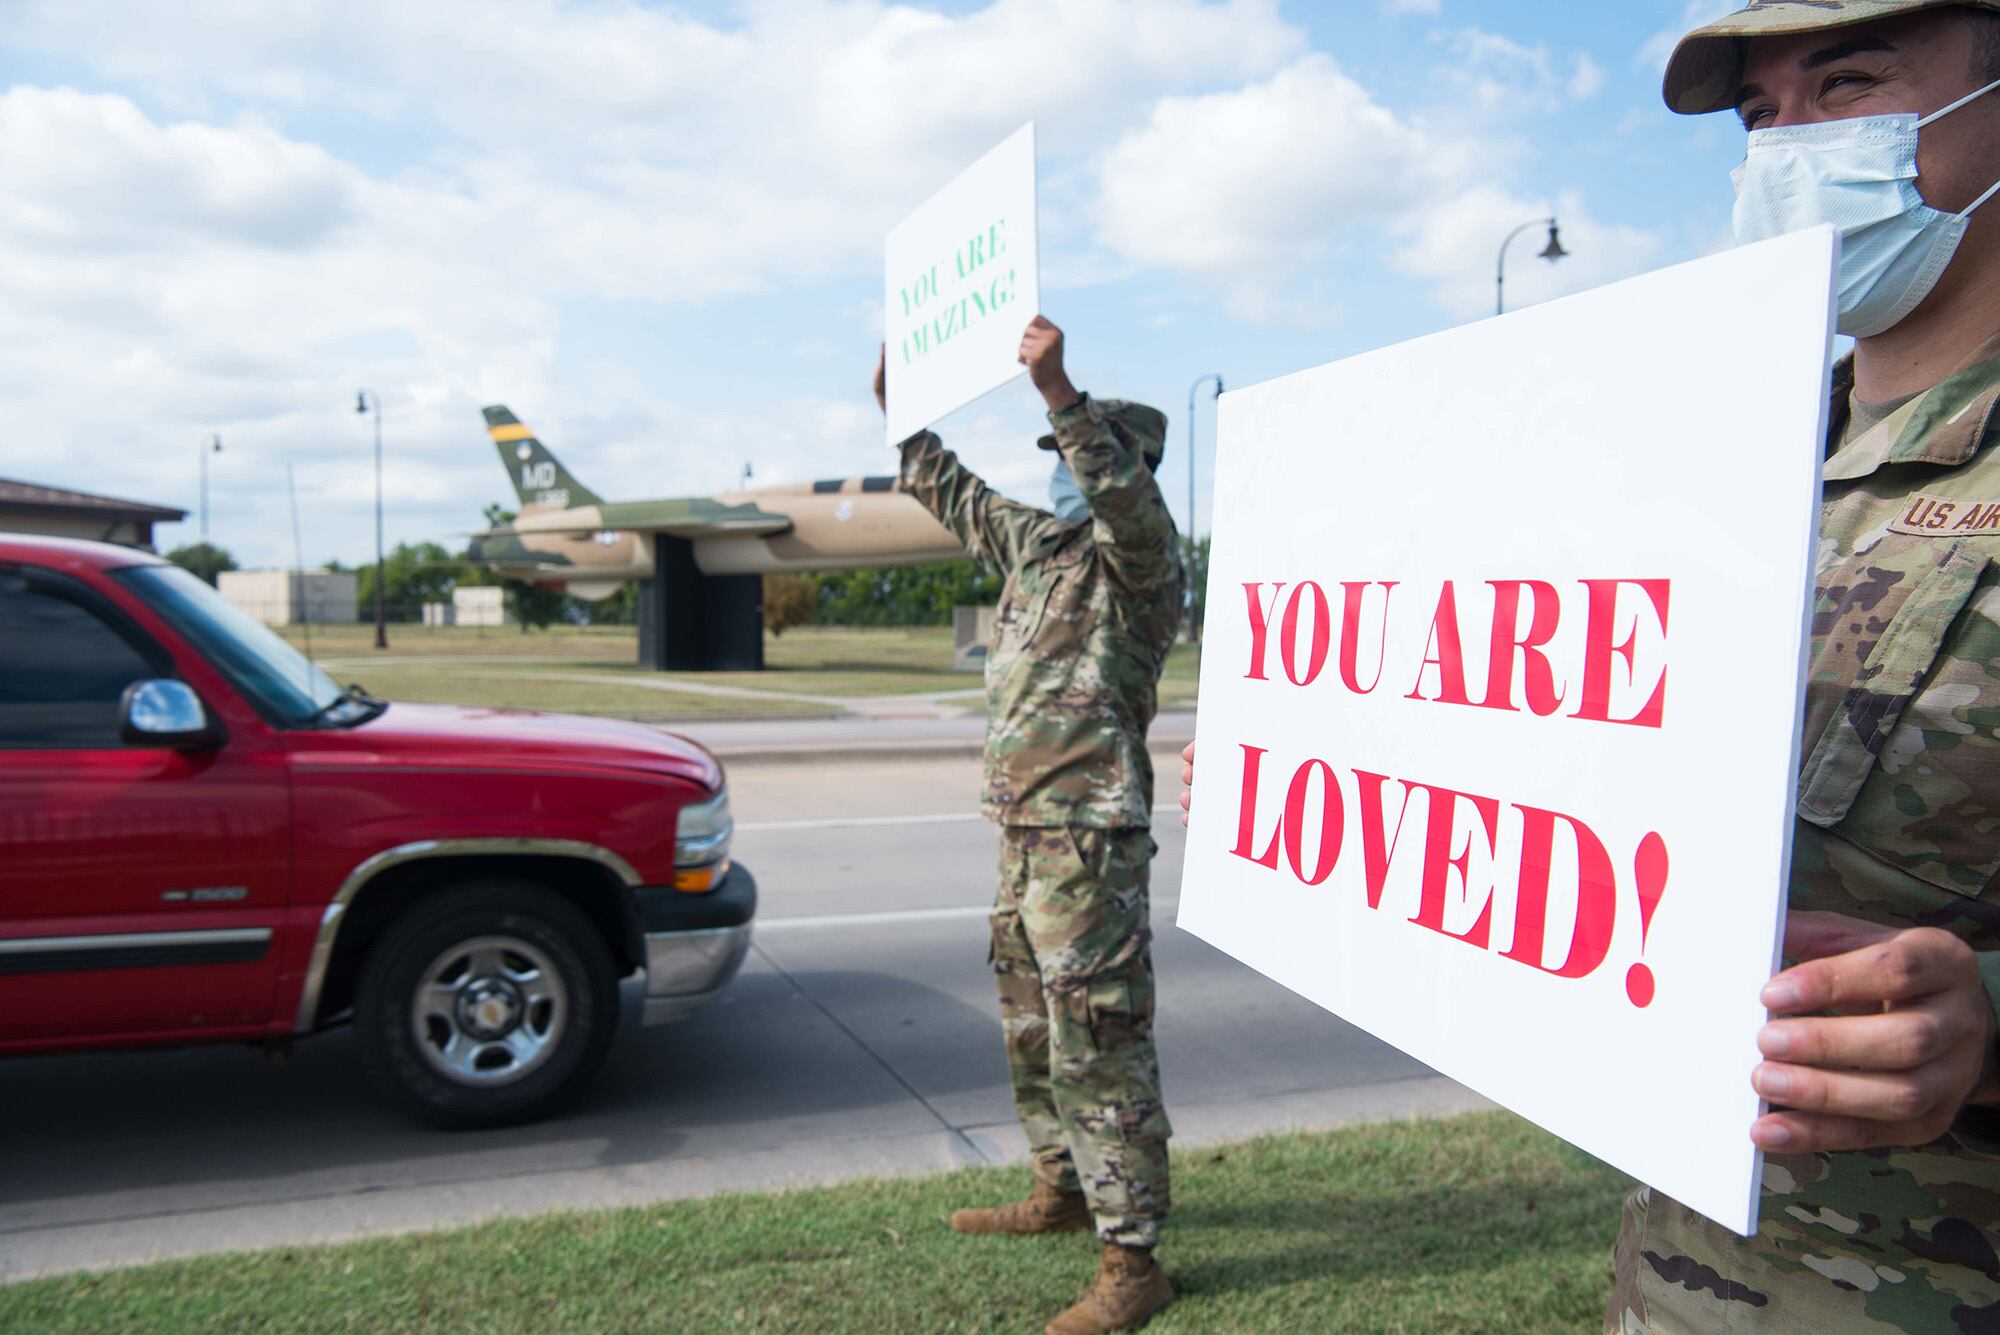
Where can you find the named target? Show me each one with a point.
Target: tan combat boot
(1045, 1211)
(1130, 1290)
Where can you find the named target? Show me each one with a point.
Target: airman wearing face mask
(1881, 1189)
(1880, 1204)
(1091, 606)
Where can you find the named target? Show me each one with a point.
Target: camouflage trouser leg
(1070, 953)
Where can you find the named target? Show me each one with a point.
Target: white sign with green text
(961, 284)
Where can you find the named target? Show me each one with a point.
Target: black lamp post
(363, 401)
(1552, 252)
(213, 445)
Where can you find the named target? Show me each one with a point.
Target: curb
(954, 749)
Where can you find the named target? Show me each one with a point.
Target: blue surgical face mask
(1859, 175)
(1065, 498)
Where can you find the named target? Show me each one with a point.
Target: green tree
(532, 605)
(413, 573)
(203, 559)
(620, 609)
(789, 600)
(920, 595)
(1198, 576)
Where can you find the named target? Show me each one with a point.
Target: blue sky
(654, 231)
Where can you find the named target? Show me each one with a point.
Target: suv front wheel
(492, 1003)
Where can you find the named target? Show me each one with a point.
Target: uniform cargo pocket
(1905, 764)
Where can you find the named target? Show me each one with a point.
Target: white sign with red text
(961, 280)
(1500, 698)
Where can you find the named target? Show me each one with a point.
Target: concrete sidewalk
(787, 741)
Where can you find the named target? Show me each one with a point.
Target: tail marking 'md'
(540, 480)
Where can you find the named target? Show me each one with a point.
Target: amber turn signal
(700, 880)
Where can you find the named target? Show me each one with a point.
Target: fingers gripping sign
(1187, 782)
(1042, 353)
(1878, 1037)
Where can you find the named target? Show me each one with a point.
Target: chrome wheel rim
(489, 1011)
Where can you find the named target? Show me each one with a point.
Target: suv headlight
(701, 844)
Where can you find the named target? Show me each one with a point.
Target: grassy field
(518, 688)
(1477, 1223)
(500, 666)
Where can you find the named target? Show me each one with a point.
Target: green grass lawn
(1476, 1223)
(594, 645)
(419, 684)
(841, 662)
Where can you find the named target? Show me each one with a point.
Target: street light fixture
(1552, 252)
(363, 401)
(213, 445)
(1194, 632)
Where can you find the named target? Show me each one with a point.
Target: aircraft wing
(687, 517)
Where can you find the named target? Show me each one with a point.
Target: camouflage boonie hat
(1706, 69)
(1137, 422)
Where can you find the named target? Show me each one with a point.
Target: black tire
(556, 979)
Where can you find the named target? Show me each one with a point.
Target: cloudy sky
(654, 230)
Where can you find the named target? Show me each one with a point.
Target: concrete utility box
(480, 605)
(291, 597)
(439, 614)
(971, 632)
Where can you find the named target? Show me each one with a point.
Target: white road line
(852, 822)
(895, 916)
(862, 822)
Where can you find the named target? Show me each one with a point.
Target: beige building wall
(290, 598)
(481, 605)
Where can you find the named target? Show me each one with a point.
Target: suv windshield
(283, 683)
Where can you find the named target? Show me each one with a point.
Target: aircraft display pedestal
(691, 622)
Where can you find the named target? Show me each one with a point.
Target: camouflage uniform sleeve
(994, 529)
(1134, 531)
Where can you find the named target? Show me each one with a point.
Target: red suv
(203, 838)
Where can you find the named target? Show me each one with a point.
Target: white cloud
(1454, 248)
(185, 258)
(1588, 80)
(1237, 188)
(141, 183)
(1250, 191)
(191, 255)
(1497, 75)
(1654, 52)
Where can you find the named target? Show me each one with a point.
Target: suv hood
(515, 739)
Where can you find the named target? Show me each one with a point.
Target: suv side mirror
(164, 712)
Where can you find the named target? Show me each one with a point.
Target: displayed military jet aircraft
(567, 537)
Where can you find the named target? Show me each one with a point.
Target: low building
(291, 597)
(55, 512)
(971, 632)
(480, 605)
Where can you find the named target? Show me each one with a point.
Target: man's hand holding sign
(1909, 1042)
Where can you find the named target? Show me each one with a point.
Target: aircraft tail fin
(540, 480)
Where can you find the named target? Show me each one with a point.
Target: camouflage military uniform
(1082, 631)
(1899, 824)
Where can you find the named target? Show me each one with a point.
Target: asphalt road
(860, 1039)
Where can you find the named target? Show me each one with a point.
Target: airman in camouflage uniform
(1090, 607)
(1881, 1199)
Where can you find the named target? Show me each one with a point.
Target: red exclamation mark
(1650, 864)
